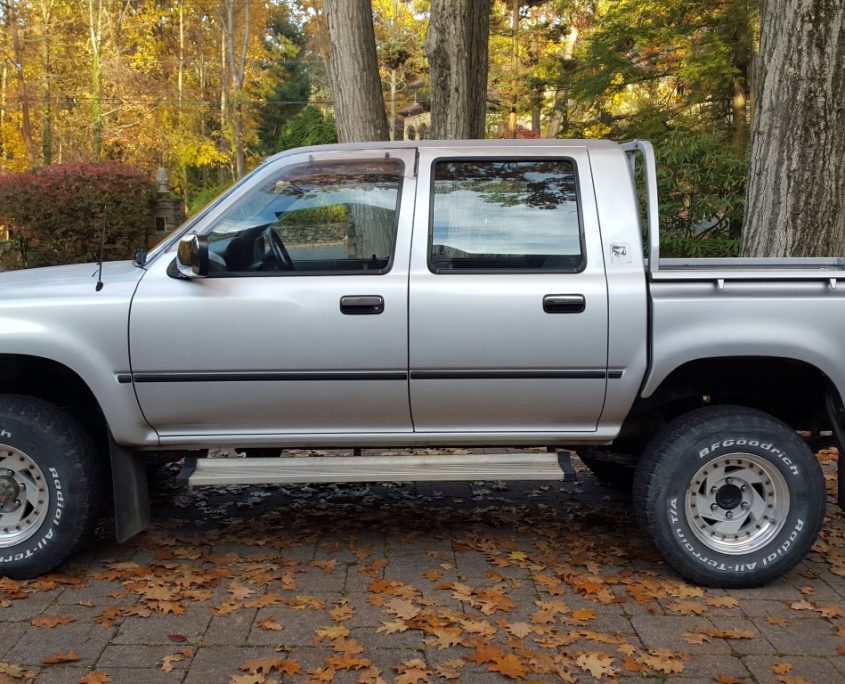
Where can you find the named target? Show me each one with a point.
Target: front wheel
(731, 496)
(49, 486)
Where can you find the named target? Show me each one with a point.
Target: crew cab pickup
(430, 294)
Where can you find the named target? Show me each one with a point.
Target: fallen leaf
(261, 666)
(412, 671)
(802, 605)
(687, 608)
(450, 669)
(177, 638)
(725, 679)
(509, 665)
(61, 658)
(597, 663)
(778, 621)
(51, 621)
(721, 601)
(95, 678)
(831, 610)
(270, 625)
(781, 668)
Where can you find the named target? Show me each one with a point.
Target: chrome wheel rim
(24, 497)
(737, 503)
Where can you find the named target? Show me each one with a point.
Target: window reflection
(505, 215)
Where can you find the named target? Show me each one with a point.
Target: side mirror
(192, 256)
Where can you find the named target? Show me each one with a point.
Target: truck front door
(301, 325)
(508, 297)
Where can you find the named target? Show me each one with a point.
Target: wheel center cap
(8, 491)
(728, 497)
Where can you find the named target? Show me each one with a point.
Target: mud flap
(131, 498)
(836, 415)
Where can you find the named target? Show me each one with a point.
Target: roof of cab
(448, 144)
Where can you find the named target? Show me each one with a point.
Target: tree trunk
(12, 15)
(95, 32)
(353, 72)
(796, 183)
(456, 45)
(46, 9)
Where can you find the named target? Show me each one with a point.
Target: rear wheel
(731, 496)
(49, 485)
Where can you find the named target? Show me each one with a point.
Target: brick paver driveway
(479, 582)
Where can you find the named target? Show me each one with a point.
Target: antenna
(99, 285)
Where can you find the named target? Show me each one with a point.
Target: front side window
(315, 217)
(505, 216)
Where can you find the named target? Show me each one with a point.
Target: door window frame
(505, 271)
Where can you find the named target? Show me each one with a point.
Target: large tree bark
(456, 45)
(12, 17)
(795, 205)
(353, 72)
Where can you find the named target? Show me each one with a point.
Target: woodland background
(207, 88)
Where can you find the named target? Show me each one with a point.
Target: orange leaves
(598, 663)
(51, 621)
(61, 658)
(488, 600)
(508, 665)
(699, 635)
(95, 678)
(687, 608)
(270, 625)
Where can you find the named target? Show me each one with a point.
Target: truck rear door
(508, 314)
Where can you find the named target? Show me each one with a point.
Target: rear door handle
(361, 305)
(564, 303)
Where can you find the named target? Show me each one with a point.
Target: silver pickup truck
(450, 294)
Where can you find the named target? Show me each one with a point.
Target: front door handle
(564, 303)
(361, 305)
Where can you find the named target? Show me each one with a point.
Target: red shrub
(57, 212)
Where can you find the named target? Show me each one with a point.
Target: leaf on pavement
(778, 621)
(597, 663)
(509, 665)
(51, 620)
(413, 671)
(61, 658)
(270, 625)
(95, 678)
(687, 608)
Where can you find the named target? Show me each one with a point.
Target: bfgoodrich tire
(49, 486)
(731, 496)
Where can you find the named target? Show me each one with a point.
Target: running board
(467, 467)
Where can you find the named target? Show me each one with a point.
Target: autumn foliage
(56, 214)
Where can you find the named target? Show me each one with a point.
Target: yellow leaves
(781, 668)
(265, 600)
(432, 575)
(701, 634)
(404, 610)
(51, 621)
(777, 620)
(445, 637)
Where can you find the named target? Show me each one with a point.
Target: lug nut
(744, 488)
(713, 507)
(728, 480)
(745, 505)
(729, 514)
(713, 490)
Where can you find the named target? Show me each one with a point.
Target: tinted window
(315, 217)
(505, 215)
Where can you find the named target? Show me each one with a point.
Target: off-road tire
(725, 451)
(65, 461)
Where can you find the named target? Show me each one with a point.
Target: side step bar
(469, 467)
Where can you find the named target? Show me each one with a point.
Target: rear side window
(500, 215)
